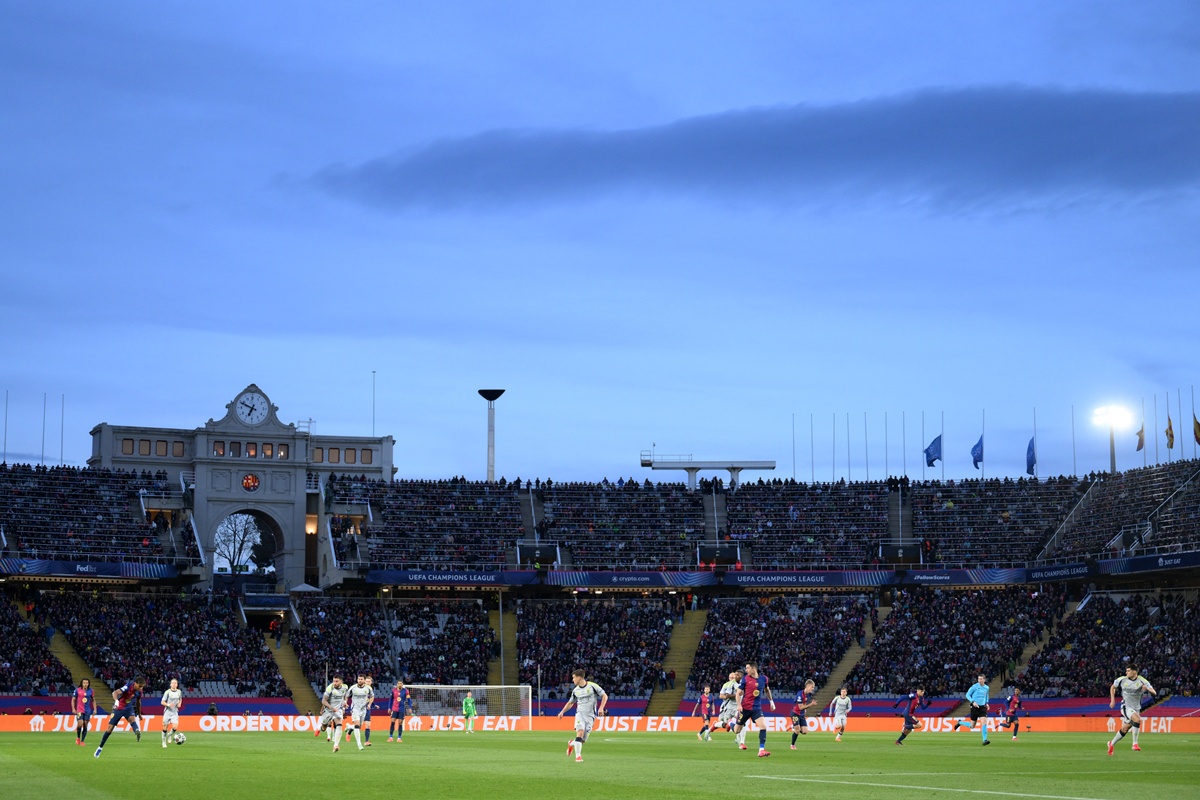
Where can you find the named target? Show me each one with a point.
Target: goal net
(490, 701)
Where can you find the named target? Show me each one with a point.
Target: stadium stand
(1121, 502)
(196, 638)
(624, 525)
(791, 525)
(989, 522)
(942, 639)
(1091, 648)
(793, 639)
(433, 641)
(426, 524)
(76, 514)
(26, 665)
(622, 644)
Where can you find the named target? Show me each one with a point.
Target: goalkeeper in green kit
(469, 711)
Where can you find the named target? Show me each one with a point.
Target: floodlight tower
(491, 395)
(1112, 417)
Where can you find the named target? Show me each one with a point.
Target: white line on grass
(923, 788)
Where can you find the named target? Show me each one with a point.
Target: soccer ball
(180, 738)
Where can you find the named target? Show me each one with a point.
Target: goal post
(490, 701)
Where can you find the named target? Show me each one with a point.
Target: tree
(236, 536)
(263, 553)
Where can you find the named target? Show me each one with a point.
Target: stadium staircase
(837, 676)
(61, 649)
(998, 684)
(685, 639)
(303, 695)
(508, 650)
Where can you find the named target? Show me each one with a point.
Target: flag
(1196, 428)
(934, 451)
(1031, 456)
(1141, 434)
(977, 453)
(1170, 432)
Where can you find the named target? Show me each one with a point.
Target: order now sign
(419, 724)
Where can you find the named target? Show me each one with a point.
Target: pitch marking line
(922, 788)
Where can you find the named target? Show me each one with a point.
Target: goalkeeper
(469, 711)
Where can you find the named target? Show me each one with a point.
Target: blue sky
(677, 225)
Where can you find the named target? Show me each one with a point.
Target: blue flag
(1031, 456)
(934, 451)
(977, 453)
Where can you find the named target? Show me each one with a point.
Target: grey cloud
(959, 147)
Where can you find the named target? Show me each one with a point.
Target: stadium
(132, 566)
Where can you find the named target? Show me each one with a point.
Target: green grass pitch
(498, 766)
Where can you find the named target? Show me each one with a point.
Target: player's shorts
(1011, 719)
(128, 712)
(1127, 714)
(910, 722)
(799, 720)
(170, 716)
(367, 716)
(584, 723)
(748, 715)
(332, 717)
(84, 718)
(839, 721)
(978, 712)
(729, 714)
(398, 715)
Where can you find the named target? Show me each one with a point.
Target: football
(180, 738)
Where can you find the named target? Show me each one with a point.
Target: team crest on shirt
(756, 692)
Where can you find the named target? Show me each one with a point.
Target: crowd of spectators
(1177, 526)
(1159, 634)
(342, 637)
(622, 643)
(942, 639)
(72, 514)
(26, 665)
(1121, 502)
(196, 637)
(993, 522)
(793, 639)
(449, 524)
(442, 641)
(623, 524)
(791, 525)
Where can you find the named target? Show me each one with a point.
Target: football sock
(578, 745)
(367, 735)
(1120, 735)
(358, 737)
(762, 738)
(104, 738)
(795, 736)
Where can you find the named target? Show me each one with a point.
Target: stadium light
(491, 395)
(1112, 417)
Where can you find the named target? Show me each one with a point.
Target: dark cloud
(949, 147)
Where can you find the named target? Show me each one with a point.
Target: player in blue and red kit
(913, 702)
(83, 705)
(127, 704)
(804, 701)
(1012, 712)
(401, 703)
(750, 691)
(704, 707)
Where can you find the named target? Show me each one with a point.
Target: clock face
(251, 408)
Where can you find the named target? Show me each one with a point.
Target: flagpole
(983, 450)
(1195, 432)
(923, 459)
(1145, 450)
(866, 449)
(793, 446)
(1074, 461)
(42, 460)
(1156, 429)
(62, 429)
(943, 435)
(833, 447)
(1167, 403)
(5, 461)
(848, 476)
(1035, 449)
(888, 472)
(904, 441)
(812, 446)
(1179, 403)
